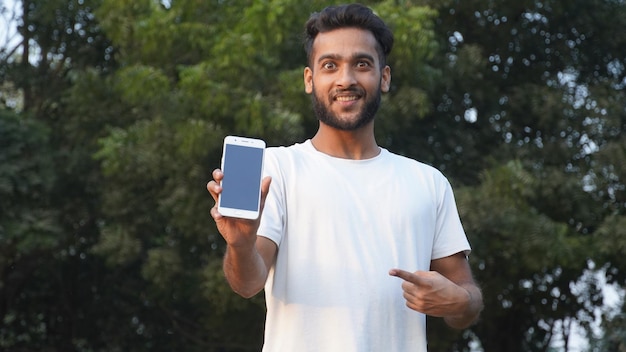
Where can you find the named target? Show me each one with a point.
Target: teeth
(350, 98)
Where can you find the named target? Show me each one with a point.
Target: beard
(365, 116)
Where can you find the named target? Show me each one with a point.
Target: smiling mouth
(347, 98)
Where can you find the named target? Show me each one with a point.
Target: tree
(28, 224)
(530, 84)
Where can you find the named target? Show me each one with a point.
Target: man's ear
(308, 80)
(385, 80)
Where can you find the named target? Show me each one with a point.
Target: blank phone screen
(242, 175)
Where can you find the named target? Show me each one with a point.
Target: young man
(355, 244)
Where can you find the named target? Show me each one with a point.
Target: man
(355, 244)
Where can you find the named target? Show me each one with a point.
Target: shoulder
(281, 160)
(412, 165)
(285, 151)
(415, 174)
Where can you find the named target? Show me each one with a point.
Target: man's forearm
(471, 314)
(245, 270)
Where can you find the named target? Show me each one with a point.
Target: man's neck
(357, 145)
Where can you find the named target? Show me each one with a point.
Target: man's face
(345, 78)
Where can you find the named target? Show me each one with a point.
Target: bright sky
(9, 11)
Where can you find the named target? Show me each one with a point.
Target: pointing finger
(403, 274)
(413, 278)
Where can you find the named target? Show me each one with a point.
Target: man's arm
(456, 269)
(447, 291)
(248, 257)
(246, 269)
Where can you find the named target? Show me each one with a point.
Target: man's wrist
(471, 310)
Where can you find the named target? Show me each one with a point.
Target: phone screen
(242, 169)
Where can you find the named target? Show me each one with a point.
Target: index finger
(218, 175)
(214, 185)
(407, 276)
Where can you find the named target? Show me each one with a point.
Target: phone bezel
(251, 143)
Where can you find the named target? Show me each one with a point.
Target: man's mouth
(347, 95)
(346, 98)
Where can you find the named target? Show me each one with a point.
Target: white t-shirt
(340, 225)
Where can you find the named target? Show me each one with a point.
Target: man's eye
(362, 64)
(328, 65)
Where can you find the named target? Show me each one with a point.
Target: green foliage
(414, 40)
(528, 258)
(29, 227)
(117, 247)
(27, 223)
(613, 338)
(611, 245)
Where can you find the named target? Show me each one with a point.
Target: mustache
(350, 90)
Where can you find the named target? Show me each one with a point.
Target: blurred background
(112, 115)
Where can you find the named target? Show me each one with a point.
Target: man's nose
(346, 78)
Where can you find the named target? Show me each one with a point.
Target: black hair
(346, 16)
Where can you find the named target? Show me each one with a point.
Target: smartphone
(242, 165)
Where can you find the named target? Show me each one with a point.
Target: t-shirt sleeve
(450, 238)
(272, 218)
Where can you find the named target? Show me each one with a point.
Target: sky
(8, 11)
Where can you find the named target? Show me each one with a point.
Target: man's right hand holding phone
(236, 232)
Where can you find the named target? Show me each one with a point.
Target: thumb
(265, 188)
